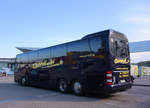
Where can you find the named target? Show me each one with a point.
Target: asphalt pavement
(15, 96)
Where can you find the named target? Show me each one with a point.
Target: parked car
(3, 72)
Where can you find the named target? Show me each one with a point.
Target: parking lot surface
(15, 96)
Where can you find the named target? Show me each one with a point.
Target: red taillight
(109, 72)
(109, 77)
(109, 83)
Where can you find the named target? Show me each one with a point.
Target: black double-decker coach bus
(99, 62)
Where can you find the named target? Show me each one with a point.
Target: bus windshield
(119, 46)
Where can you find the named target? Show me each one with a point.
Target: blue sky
(42, 23)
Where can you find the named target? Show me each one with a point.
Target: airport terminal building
(140, 58)
(8, 64)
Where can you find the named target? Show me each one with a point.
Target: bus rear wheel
(23, 81)
(77, 88)
(63, 87)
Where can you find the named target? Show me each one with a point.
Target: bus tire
(23, 81)
(77, 88)
(63, 86)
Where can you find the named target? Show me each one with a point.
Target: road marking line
(135, 95)
(7, 101)
(18, 99)
(112, 104)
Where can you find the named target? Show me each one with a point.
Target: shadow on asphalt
(50, 95)
(10, 85)
(17, 92)
(141, 85)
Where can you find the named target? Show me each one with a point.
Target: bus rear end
(118, 77)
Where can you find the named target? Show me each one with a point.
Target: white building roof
(27, 49)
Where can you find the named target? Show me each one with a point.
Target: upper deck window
(33, 56)
(79, 46)
(59, 51)
(96, 44)
(24, 58)
(44, 53)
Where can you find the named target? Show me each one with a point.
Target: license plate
(123, 74)
(122, 81)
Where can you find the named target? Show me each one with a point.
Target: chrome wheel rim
(77, 87)
(23, 81)
(62, 86)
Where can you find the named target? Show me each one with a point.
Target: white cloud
(139, 13)
(146, 31)
(139, 57)
(139, 19)
(140, 34)
(139, 22)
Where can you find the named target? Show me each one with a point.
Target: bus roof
(85, 37)
(100, 33)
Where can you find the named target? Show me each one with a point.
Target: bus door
(44, 77)
(34, 76)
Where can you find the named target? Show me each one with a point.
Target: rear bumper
(108, 88)
(117, 87)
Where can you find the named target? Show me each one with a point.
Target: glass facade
(7, 65)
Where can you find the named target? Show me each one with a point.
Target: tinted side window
(44, 53)
(96, 44)
(59, 51)
(18, 59)
(79, 46)
(34, 72)
(23, 58)
(33, 56)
